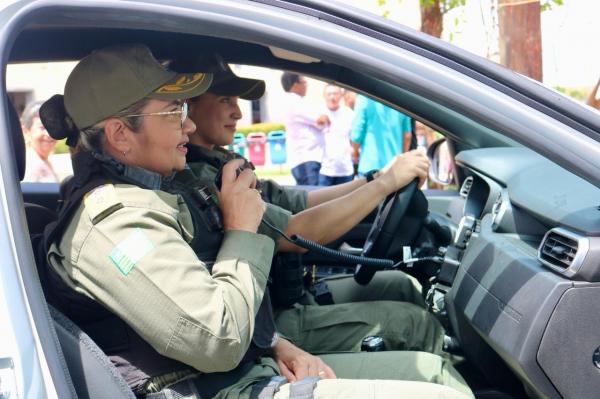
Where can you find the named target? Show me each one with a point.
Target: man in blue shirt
(378, 134)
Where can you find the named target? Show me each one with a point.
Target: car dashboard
(524, 301)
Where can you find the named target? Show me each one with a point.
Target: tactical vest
(287, 280)
(216, 158)
(136, 360)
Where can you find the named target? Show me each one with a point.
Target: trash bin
(256, 148)
(239, 144)
(276, 141)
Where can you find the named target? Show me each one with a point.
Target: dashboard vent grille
(558, 250)
(466, 187)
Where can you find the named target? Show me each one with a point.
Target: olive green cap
(111, 79)
(225, 82)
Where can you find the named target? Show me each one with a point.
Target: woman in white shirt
(39, 146)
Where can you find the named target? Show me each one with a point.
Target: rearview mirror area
(441, 169)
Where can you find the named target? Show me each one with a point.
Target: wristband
(370, 175)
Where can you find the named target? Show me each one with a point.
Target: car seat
(37, 216)
(92, 373)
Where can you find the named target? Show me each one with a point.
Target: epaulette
(101, 202)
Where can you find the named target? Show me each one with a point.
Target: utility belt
(291, 282)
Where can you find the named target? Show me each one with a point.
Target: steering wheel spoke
(389, 217)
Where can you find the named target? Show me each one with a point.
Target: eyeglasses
(182, 113)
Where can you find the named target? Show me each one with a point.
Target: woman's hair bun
(57, 122)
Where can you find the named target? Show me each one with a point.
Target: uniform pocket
(316, 317)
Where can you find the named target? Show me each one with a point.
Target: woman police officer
(130, 245)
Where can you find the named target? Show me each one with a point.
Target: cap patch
(183, 84)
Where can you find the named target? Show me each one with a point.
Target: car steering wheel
(390, 213)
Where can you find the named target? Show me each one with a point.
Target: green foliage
(546, 5)
(458, 22)
(447, 5)
(61, 147)
(575, 93)
(260, 127)
(385, 12)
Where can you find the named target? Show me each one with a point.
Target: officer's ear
(118, 136)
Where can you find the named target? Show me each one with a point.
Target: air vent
(559, 250)
(466, 187)
(563, 250)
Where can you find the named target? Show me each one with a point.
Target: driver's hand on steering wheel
(403, 168)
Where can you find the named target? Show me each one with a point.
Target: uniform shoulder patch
(101, 202)
(126, 254)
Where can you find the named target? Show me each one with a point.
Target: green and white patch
(128, 252)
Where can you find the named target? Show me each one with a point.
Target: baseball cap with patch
(225, 82)
(111, 79)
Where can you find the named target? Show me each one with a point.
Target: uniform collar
(139, 176)
(215, 157)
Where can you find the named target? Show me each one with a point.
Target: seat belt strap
(321, 292)
(303, 389)
(184, 389)
(267, 388)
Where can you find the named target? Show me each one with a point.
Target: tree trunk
(432, 19)
(521, 37)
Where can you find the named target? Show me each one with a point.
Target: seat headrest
(17, 139)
